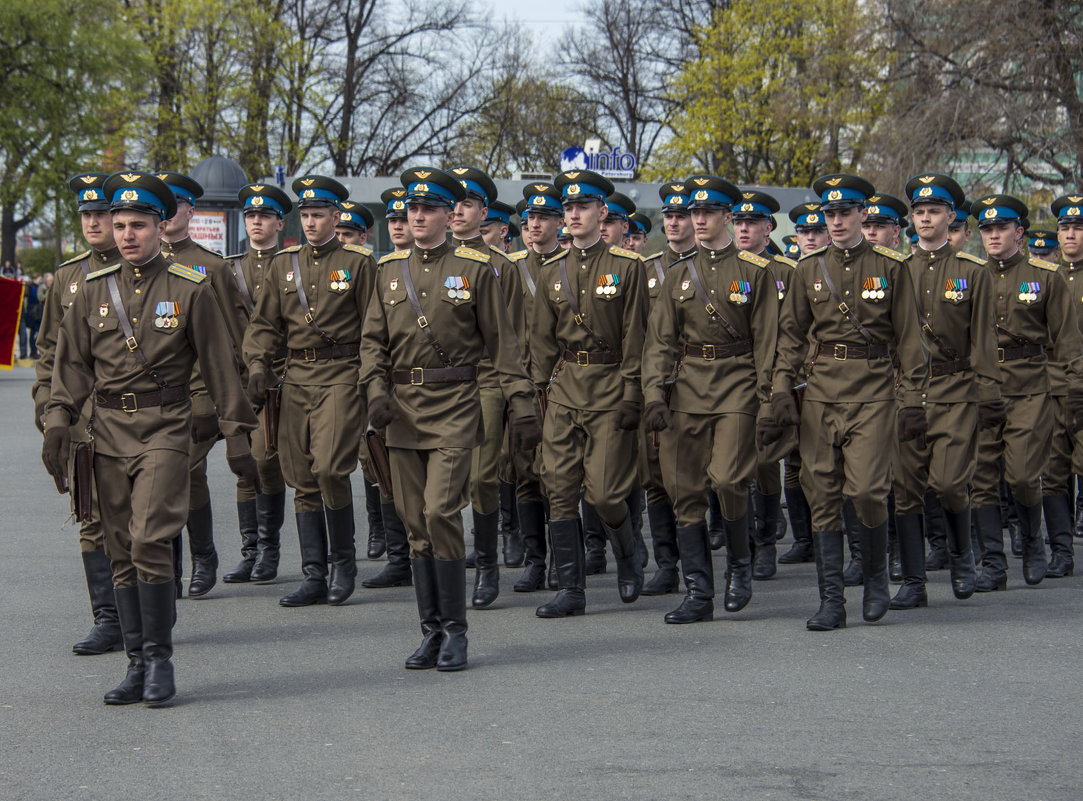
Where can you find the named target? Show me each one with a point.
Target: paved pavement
(975, 699)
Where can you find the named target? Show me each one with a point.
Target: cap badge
(257, 201)
(90, 194)
(129, 194)
(1075, 199)
(89, 179)
(874, 209)
(345, 216)
(811, 219)
(927, 179)
(421, 188)
(256, 187)
(1072, 212)
(990, 214)
(747, 206)
(700, 181)
(130, 177)
(834, 194)
(833, 181)
(701, 194)
(925, 191)
(307, 181)
(162, 176)
(422, 174)
(538, 200)
(572, 175)
(573, 189)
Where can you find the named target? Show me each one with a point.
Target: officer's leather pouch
(272, 407)
(379, 460)
(82, 477)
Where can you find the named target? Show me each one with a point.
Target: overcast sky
(544, 19)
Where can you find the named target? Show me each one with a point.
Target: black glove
(784, 409)
(992, 414)
(54, 453)
(912, 423)
(1074, 405)
(39, 416)
(204, 427)
(381, 412)
(257, 387)
(243, 465)
(629, 414)
(768, 432)
(526, 433)
(657, 416)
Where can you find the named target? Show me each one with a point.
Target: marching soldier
(398, 226)
(959, 230)
(810, 227)
(497, 224)
(1043, 244)
(712, 336)
(98, 232)
(137, 363)
(855, 302)
(639, 228)
(436, 310)
(586, 349)
(885, 221)
(1068, 210)
(317, 297)
(260, 514)
(354, 222)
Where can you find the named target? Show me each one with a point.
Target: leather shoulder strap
(422, 320)
(129, 334)
(303, 298)
(847, 312)
(243, 285)
(574, 306)
(712, 312)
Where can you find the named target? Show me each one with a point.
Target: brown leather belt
(585, 357)
(323, 354)
(1022, 352)
(280, 354)
(950, 367)
(841, 351)
(134, 401)
(435, 375)
(712, 352)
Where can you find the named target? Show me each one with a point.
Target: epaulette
(236, 256)
(817, 252)
(1042, 264)
(195, 276)
(784, 260)
(469, 253)
(891, 254)
(517, 255)
(395, 255)
(364, 250)
(628, 254)
(102, 271)
(657, 255)
(557, 257)
(291, 249)
(74, 259)
(209, 250)
(685, 257)
(962, 254)
(752, 258)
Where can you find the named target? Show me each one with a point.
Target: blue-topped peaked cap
(675, 198)
(841, 191)
(542, 198)
(911, 233)
(580, 186)
(395, 199)
(477, 184)
(886, 209)
(1042, 240)
(754, 205)
(711, 192)
(186, 189)
(142, 192)
(428, 186)
(563, 234)
(993, 209)
(620, 206)
(1068, 208)
(807, 217)
(513, 231)
(521, 209)
(265, 198)
(354, 215)
(89, 191)
(499, 212)
(962, 212)
(934, 187)
(641, 222)
(318, 190)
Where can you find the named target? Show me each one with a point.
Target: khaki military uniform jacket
(91, 355)
(253, 267)
(1072, 272)
(528, 263)
(466, 311)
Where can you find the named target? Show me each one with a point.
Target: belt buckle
(308, 354)
(1000, 354)
(124, 402)
(417, 376)
(840, 352)
(709, 353)
(582, 358)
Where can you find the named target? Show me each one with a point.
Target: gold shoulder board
(208, 250)
(891, 254)
(236, 256)
(292, 249)
(74, 259)
(195, 276)
(364, 250)
(518, 255)
(557, 257)
(752, 258)
(1042, 264)
(473, 255)
(817, 252)
(628, 254)
(962, 254)
(394, 256)
(787, 261)
(102, 271)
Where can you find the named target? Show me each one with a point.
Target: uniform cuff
(237, 445)
(57, 417)
(522, 407)
(654, 394)
(633, 392)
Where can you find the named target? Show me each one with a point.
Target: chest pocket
(608, 292)
(654, 287)
(445, 295)
(288, 287)
(101, 324)
(556, 294)
(818, 296)
(67, 300)
(874, 290)
(394, 297)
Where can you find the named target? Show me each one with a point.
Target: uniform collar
(106, 256)
(597, 247)
(474, 243)
(433, 253)
(680, 254)
(331, 245)
(159, 262)
(847, 254)
(180, 244)
(549, 255)
(715, 255)
(1011, 261)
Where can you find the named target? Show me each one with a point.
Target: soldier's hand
(912, 423)
(656, 416)
(1074, 405)
(629, 414)
(243, 465)
(257, 387)
(382, 411)
(54, 453)
(784, 409)
(526, 433)
(204, 427)
(39, 416)
(768, 432)
(992, 414)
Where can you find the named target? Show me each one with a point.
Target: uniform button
(101, 325)
(135, 319)
(424, 294)
(847, 292)
(426, 269)
(139, 291)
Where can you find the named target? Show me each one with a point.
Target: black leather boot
(204, 555)
(594, 538)
(960, 553)
(1078, 529)
(396, 573)
(832, 612)
(178, 564)
(716, 529)
(936, 533)
(738, 565)
(340, 539)
(130, 690)
(801, 524)
(514, 552)
(1010, 519)
(532, 527)
(428, 609)
(270, 514)
(1058, 522)
(911, 594)
(1034, 561)
(451, 597)
(566, 540)
(994, 565)
(377, 543)
(312, 535)
(876, 599)
(487, 570)
(765, 535)
(636, 503)
(664, 539)
(894, 560)
(106, 634)
(698, 569)
(854, 574)
(247, 522)
(551, 573)
(157, 606)
(629, 568)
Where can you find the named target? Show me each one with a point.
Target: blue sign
(280, 175)
(612, 164)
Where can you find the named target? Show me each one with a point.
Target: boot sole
(451, 668)
(228, 579)
(701, 619)
(199, 593)
(369, 586)
(821, 627)
(475, 604)
(96, 651)
(160, 702)
(292, 605)
(548, 616)
(117, 702)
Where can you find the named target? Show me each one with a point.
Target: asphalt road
(974, 699)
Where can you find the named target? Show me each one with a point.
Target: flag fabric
(11, 308)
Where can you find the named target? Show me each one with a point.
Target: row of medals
(166, 322)
(741, 297)
(1028, 296)
(459, 294)
(955, 294)
(605, 290)
(872, 294)
(340, 285)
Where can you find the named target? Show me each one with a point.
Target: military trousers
(431, 490)
(143, 504)
(585, 455)
(1023, 444)
(485, 458)
(1065, 452)
(199, 491)
(319, 436)
(650, 469)
(270, 468)
(523, 469)
(844, 454)
(792, 470)
(702, 453)
(942, 461)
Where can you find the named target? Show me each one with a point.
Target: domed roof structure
(221, 179)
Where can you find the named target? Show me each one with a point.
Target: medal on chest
(458, 287)
(73, 287)
(103, 310)
(166, 314)
(652, 282)
(1028, 291)
(340, 279)
(872, 288)
(954, 288)
(781, 286)
(607, 284)
(739, 292)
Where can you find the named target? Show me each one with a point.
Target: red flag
(11, 309)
